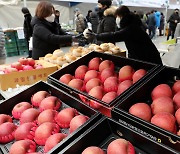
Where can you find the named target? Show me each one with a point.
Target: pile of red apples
(23, 64)
(164, 110)
(100, 80)
(38, 123)
(118, 146)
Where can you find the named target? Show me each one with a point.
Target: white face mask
(118, 20)
(50, 18)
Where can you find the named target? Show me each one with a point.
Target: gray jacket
(2, 43)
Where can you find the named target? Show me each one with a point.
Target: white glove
(87, 33)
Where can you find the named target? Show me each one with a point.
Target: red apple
(38, 66)
(27, 67)
(106, 64)
(138, 75)
(5, 118)
(17, 65)
(7, 132)
(65, 116)
(77, 121)
(50, 102)
(165, 120)
(48, 115)
(109, 97)
(141, 110)
(108, 72)
(120, 146)
(177, 115)
(31, 62)
(126, 73)
(66, 78)
(162, 104)
(81, 71)
(23, 61)
(44, 131)
(161, 90)
(111, 84)
(93, 83)
(93, 150)
(20, 108)
(90, 75)
(176, 86)
(25, 131)
(10, 70)
(77, 84)
(38, 97)
(176, 100)
(23, 147)
(123, 86)
(29, 115)
(53, 140)
(94, 63)
(96, 92)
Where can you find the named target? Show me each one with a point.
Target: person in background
(107, 19)
(57, 15)
(94, 20)
(161, 27)
(47, 34)
(144, 24)
(137, 41)
(158, 18)
(151, 21)
(27, 27)
(173, 20)
(2, 50)
(79, 21)
(88, 19)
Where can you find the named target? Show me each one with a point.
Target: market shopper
(2, 50)
(27, 27)
(80, 21)
(151, 21)
(57, 16)
(174, 19)
(137, 41)
(94, 20)
(161, 27)
(47, 34)
(107, 19)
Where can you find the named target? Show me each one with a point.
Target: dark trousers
(152, 31)
(171, 32)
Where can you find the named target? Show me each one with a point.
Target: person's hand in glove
(89, 34)
(76, 37)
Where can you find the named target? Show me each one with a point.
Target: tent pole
(25, 4)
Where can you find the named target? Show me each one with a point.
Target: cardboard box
(26, 77)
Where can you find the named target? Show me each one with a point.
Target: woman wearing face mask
(47, 34)
(137, 41)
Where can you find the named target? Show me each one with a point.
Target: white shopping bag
(30, 44)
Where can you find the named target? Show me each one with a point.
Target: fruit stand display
(154, 105)
(24, 72)
(108, 136)
(38, 109)
(96, 78)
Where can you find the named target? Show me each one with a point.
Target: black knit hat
(105, 2)
(25, 10)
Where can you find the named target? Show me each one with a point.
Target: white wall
(11, 16)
